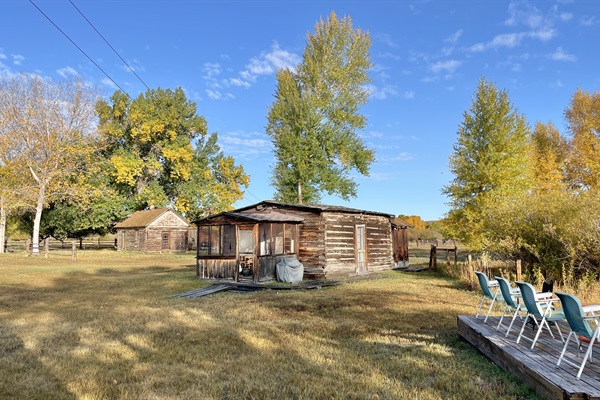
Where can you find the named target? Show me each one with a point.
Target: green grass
(106, 327)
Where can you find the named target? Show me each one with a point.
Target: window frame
(267, 245)
(221, 241)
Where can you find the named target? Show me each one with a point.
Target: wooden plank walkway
(535, 367)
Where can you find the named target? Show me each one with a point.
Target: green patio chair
(581, 330)
(510, 298)
(539, 307)
(486, 287)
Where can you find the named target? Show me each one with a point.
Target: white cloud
(109, 83)
(522, 13)
(2, 56)
(561, 55)
(385, 39)
(217, 95)
(373, 134)
(511, 40)
(409, 95)
(134, 65)
(588, 20)
(245, 145)
(265, 64)
(17, 59)
(269, 62)
(448, 66)
(66, 71)
(260, 67)
(566, 16)
(211, 72)
(535, 25)
(453, 38)
(402, 156)
(238, 82)
(385, 92)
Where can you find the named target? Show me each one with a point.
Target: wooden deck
(538, 367)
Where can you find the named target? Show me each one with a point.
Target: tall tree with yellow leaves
(583, 117)
(160, 154)
(549, 155)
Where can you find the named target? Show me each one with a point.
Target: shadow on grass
(116, 334)
(24, 376)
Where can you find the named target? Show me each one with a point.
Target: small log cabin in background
(159, 230)
(330, 241)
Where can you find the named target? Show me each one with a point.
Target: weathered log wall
(221, 268)
(177, 242)
(340, 240)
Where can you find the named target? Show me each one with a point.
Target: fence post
(470, 266)
(433, 258)
(27, 244)
(73, 250)
(46, 247)
(519, 270)
(455, 255)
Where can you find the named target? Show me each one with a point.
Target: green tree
(314, 119)
(47, 130)
(150, 144)
(489, 163)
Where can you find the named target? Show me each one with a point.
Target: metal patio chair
(539, 307)
(510, 296)
(581, 329)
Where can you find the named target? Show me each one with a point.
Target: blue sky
(428, 57)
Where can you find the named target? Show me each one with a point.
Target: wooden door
(361, 249)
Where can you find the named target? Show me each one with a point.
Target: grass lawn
(106, 327)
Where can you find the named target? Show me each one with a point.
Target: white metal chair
(581, 330)
(539, 306)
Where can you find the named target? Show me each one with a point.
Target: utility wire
(109, 45)
(79, 48)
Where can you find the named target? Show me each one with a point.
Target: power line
(109, 45)
(79, 48)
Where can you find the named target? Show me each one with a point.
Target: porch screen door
(361, 249)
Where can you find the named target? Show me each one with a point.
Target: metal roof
(266, 215)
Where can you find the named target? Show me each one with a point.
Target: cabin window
(216, 240)
(290, 239)
(277, 239)
(246, 241)
(277, 230)
(166, 238)
(265, 239)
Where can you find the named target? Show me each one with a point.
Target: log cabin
(159, 230)
(330, 241)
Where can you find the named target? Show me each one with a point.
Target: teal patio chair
(486, 287)
(581, 330)
(539, 307)
(510, 298)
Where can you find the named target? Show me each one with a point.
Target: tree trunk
(35, 240)
(2, 225)
(299, 191)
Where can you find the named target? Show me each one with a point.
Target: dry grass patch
(106, 327)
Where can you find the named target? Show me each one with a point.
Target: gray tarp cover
(290, 270)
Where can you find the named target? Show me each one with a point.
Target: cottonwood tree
(489, 163)
(46, 128)
(315, 117)
(160, 153)
(583, 118)
(549, 152)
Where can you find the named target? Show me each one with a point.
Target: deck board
(535, 367)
